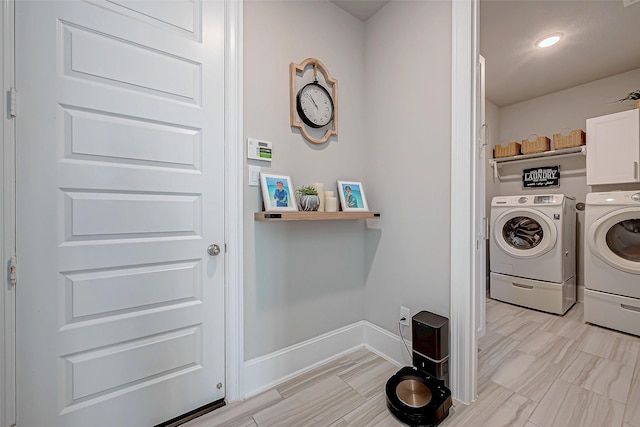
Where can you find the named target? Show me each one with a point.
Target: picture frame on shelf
(352, 197)
(278, 192)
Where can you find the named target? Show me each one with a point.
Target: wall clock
(313, 104)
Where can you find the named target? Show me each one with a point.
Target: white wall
(302, 279)
(394, 73)
(408, 133)
(549, 114)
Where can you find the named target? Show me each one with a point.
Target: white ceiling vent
(629, 2)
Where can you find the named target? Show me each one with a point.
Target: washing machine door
(524, 233)
(615, 239)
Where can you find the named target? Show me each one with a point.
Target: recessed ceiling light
(549, 40)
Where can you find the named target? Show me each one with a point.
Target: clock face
(314, 105)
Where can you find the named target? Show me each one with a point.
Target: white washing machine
(532, 251)
(612, 260)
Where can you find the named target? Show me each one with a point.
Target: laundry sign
(546, 176)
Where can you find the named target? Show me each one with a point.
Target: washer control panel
(541, 200)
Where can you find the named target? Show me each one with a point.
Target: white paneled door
(120, 192)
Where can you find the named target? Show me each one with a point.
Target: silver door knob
(213, 250)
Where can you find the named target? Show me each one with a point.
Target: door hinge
(13, 271)
(12, 97)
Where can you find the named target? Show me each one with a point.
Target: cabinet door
(613, 148)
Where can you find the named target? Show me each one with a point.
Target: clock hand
(313, 100)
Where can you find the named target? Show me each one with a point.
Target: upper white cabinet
(613, 148)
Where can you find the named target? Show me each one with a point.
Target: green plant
(307, 190)
(631, 96)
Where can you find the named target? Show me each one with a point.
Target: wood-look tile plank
(340, 423)
(373, 413)
(490, 359)
(322, 404)
(612, 346)
(313, 376)
(567, 404)
(527, 375)
(602, 376)
(238, 414)
(550, 347)
(496, 406)
(369, 377)
(361, 355)
(516, 327)
(576, 312)
(565, 327)
(536, 316)
(632, 412)
(498, 310)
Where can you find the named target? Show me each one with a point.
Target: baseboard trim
(387, 344)
(265, 372)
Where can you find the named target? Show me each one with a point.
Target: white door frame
(463, 295)
(234, 168)
(234, 327)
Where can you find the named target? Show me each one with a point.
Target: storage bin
(574, 138)
(535, 144)
(612, 311)
(545, 296)
(511, 149)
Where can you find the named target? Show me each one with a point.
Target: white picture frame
(352, 197)
(278, 192)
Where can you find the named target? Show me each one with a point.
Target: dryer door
(615, 239)
(524, 233)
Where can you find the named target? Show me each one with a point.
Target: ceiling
(601, 39)
(361, 9)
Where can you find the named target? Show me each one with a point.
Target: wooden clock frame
(296, 70)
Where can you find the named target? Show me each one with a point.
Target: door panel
(120, 192)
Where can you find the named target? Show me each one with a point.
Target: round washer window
(522, 232)
(624, 239)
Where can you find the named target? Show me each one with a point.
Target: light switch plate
(254, 176)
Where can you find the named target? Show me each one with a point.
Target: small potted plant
(308, 198)
(632, 96)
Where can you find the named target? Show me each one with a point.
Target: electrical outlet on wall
(405, 314)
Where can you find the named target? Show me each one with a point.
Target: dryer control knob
(635, 197)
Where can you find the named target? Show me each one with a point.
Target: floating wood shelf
(313, 216)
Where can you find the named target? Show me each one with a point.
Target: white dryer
(612, 260)
(532, 251)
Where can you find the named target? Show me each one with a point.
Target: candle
(331, 204)
(320, 189)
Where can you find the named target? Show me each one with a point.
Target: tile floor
(535, 370)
